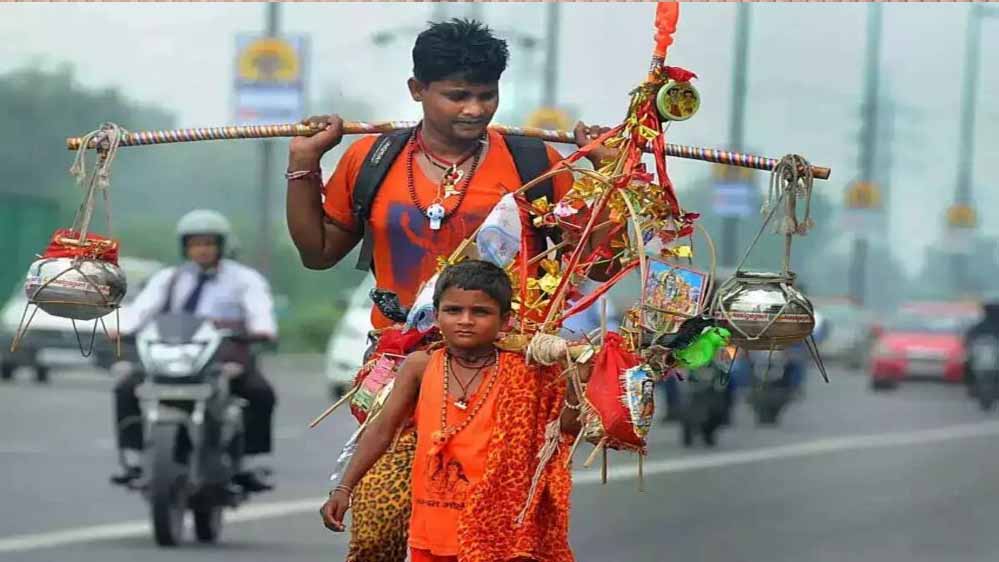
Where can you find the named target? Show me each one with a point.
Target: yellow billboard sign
(550, 118)
(269, 59)
(961, 216)
(863, 195)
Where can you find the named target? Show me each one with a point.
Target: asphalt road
(848, 475)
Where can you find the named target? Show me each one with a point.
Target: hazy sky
(806, 70)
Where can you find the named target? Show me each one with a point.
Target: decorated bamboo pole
(169, 136)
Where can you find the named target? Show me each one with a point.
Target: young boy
(481, 416)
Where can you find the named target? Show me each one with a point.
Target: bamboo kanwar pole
(359, 128)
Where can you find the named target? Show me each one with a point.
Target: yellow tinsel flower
(619, 243)
(541, 205)
(549, 283)
(678, 252)
(647, 133)
(550, 266)
(585, 188)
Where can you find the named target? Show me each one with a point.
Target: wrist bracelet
(345, 489)
(303, 174)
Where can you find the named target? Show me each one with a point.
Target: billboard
(270, 79)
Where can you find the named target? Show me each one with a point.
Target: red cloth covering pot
(64, 244)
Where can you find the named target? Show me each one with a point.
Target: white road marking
(272, 510)
(803, 449)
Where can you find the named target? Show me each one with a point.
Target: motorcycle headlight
(175, 360)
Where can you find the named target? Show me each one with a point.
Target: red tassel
(679, 74)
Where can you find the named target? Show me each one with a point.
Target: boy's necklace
(462, 403)
(446, 432)
(474, 362)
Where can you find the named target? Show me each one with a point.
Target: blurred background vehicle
(349, 340)
(848, 334)
(922, 341)
(53, 342)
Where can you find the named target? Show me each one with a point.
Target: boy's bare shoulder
(419, 356)
(415, 363)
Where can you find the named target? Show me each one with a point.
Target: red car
(924, 340)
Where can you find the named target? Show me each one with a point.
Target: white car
(51, 341)
(349, 340)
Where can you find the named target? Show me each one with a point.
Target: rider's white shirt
(236, 293)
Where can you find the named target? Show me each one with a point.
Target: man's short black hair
(476, 275)
(459, 48)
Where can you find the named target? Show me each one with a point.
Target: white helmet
(204, 222)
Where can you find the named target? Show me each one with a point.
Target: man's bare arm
(321, 243)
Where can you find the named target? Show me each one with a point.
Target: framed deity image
(672, 294)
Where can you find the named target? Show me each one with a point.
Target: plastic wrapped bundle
(80, 281)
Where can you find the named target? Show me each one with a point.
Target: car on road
(922, 341)
(849, 331)
(349, 340)
(53, 342)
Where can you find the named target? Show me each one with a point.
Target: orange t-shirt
(441, 481)
(405, 249)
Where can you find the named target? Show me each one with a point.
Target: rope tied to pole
(787, 180)
(108, 139)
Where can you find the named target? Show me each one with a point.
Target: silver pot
(80, 289)
(764, 310)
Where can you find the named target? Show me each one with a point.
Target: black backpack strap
(376, 165)
(530, 155)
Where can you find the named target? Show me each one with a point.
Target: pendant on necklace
(435, 214)
(452, 176)
(461, 404)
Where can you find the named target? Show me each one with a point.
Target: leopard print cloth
(529, 399)
(381, 506)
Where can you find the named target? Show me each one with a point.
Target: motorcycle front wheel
(987, 393)
(167, 483)
(208, 522)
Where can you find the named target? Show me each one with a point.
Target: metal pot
(764, 311)
(80, 289)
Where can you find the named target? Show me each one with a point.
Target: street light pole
(265, 224)
(966, 148)
(966, 144)
(549, 98)
(730, 224)
(868, 145)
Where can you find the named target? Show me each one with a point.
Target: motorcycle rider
(981, 367)
(226, 292)
(777, 377)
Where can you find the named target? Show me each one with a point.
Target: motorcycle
(707, 405)
(776, 379)
(982, 368)
(193, 425)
